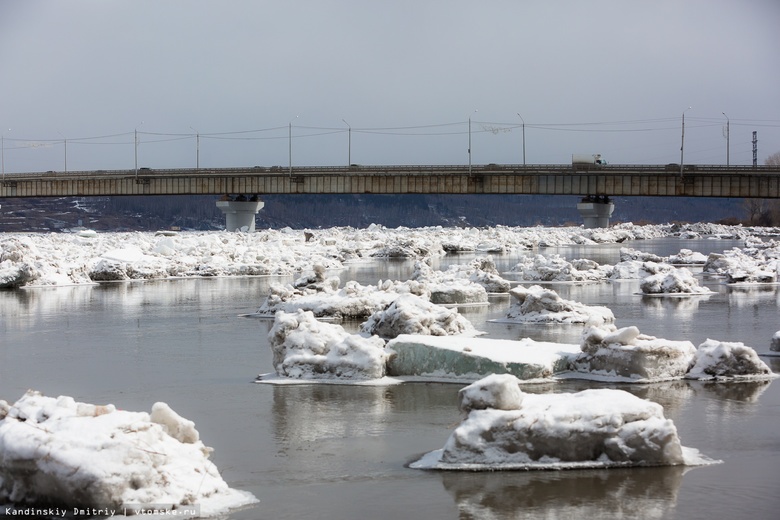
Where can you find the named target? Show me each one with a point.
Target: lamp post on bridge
(349, 143)
(523, 120)
(289, 139)
(65, 142)
(2, 153)
(135, 141)
(682, 141)
(728, 134)
(197, 148)
(475, 111)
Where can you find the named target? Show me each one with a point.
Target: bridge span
(595, 183)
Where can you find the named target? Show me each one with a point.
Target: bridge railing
(518, 169)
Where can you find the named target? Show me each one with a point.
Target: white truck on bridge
(586, 161)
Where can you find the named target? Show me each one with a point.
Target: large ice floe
(469, 359)
(677, 282)
(508, 429)
(411, 314)
(305, 348)
(626, 354)
(62, 453)
(728, 361)
(536, 304)
(557, 269)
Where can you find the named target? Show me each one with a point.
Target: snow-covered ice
(411, 314)
(73, 258)
(629, 355)
(557, 269)
(304, 348)
(507, 429)
(775, 343)
(679, 281)
(469, 359)
(728, 360)
(536, 304)
(59, 452)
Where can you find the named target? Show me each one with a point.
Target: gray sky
(608, 76)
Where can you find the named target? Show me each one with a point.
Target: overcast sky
(607, 76)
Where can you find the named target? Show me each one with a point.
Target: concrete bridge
(241, 188)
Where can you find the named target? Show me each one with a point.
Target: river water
(332, 451)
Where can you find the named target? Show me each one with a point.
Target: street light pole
(470, 141)
(682, 141)
(65, 141)
(349, 143)
(523, 120)
(135, 140)
(197, 148)
(728, 135)
(289, 139)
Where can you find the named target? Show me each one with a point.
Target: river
(333, 451)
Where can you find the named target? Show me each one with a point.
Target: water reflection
(613, 493)
(681, 308)
(746, 296)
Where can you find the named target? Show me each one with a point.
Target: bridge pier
(240, 214)
(595, 214)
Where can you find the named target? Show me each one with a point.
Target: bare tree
(773, 160)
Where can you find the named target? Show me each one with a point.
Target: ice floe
(536, 304)
(59, 452)
(469, 359)
(679, 281)
(507, 429)
(726, 360)
(305, 348)
(411, 314)
(627, 354)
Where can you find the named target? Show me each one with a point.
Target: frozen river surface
(328, 451)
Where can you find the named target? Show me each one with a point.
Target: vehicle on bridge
(581, 161)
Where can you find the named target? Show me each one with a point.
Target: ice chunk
(175, 425)
(498, 391)
(724, 360)
(410, 314)
(57, 452)
(679, 281)
(16, 274)
(628, 354)
(304, 348)
(558, 269)
(469, 359)
(592, 428)
(539, 305)
(775, 345)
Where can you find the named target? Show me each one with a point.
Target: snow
(536, 304)
(74, 258)
(411, 314)
(627, 354)
(557, 269)
(506, 428)
(57, 451)
(469, 359)
(678, 282)
(725, 360)
(304, 348)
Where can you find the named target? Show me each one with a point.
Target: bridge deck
(611, 180)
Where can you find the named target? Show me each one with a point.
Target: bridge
(241, 187)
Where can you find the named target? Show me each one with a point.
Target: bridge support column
(239, 214)
(595, 214)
